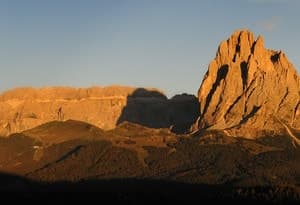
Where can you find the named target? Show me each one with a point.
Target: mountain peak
(248, 87)
(239, 46)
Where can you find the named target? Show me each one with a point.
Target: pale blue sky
(153, 43)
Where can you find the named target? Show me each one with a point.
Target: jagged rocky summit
(249, 89)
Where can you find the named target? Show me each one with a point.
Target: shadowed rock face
(248, 88)
(25, 108)
(156, 111)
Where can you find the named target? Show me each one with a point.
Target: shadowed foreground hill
(133, 159)
(140, 191)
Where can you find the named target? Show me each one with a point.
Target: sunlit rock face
(248, 88)
(104, 107)
(25, 108)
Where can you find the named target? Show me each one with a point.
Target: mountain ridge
(25, 108)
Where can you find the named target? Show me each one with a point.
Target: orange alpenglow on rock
(249, 89)
(104, 107)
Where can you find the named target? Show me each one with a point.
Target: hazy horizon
(163, 44)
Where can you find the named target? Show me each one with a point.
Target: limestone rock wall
(106, 107)
(249, 88)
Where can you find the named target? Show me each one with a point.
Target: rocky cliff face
(25, 108)
(248, 89)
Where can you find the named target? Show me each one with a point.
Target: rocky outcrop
(25, 108)
(248, 88)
